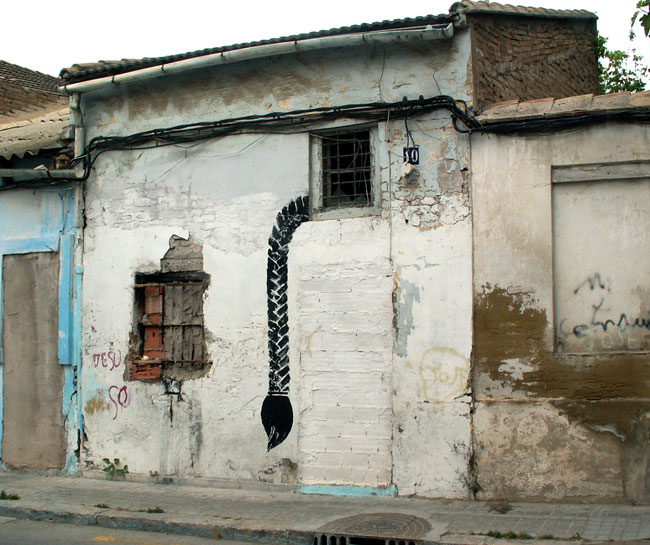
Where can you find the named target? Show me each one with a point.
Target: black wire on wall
(299, 120)
(276, 122)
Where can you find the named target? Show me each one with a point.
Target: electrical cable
(294, 121)
(274, 122)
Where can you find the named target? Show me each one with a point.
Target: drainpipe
(403, 35)
(76, 121)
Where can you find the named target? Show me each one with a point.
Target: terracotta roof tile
(27, 78)
(27, 93)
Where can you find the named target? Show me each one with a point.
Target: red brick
(153, 338)
(145, 371)
(152, 290)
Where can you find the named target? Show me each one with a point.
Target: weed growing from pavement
(509, 535)
(523, 535)
(5, 496)
(155, 510)
(102, 505)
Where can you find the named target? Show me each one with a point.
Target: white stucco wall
(379, 306)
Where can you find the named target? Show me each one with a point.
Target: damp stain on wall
(405, 294)
(607, 393)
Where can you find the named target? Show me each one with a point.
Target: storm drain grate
(373, 529)
(334, 539)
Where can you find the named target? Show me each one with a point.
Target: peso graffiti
(277, 414)
(111, 359)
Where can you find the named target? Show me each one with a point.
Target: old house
(295, 272)
(39, 353)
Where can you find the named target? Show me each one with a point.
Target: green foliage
(620, 71)
(113, 468)
(642, 14)
(523, 535)
(509, 535)
(155, 510)
(5, 496)
(102, 505)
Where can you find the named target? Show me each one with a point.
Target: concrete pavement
(283, 515)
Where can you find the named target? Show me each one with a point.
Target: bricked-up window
(172, 317)
(346, 169)
(169, 335)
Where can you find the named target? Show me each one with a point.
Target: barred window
(346, 170)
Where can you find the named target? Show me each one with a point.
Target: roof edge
(90, 71)
(428, 32)
(493, 8)
(544, 108)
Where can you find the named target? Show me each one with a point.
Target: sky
(47, 36)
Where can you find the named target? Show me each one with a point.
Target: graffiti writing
(594, 281)
(601, 319)
(443, 373)
(119, 396)
(623, 322)
(109, 360)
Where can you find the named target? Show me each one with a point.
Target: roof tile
(549, 107)
(87, 71)
(471, 6)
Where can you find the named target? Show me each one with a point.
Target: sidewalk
(290, 517)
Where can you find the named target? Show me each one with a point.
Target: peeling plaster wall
(541, 410)
(379, 306)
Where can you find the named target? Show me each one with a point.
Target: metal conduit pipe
(429, 32)
(39, 173)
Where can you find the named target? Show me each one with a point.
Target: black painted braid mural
(277, 414)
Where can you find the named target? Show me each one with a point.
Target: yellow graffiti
(308, 344)
(96, 404)
(443, 374)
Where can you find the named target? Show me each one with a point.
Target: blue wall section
(356, 491)
(42, 220)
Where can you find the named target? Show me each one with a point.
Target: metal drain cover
(380, 525)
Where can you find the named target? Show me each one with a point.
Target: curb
(211, 527)
(146, 522)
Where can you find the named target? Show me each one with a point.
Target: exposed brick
(150, 291)
(153, 338)
(145, 371)
(155, 354)
(527, 58)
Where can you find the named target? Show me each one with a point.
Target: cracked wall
(365, 413)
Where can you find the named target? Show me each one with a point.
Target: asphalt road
(29, 532)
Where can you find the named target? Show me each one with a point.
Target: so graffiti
(119, 396)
